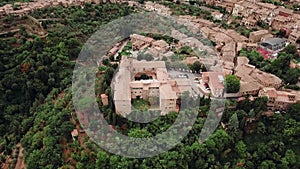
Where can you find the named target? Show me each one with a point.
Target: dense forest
(36, 108)
(32, 67)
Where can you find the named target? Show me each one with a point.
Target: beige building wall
(161, 87)
(257, 35)
(123, 107)
(277, 100)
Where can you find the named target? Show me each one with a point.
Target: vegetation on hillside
(31, 67)
(36, 108)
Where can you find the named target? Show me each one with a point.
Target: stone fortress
(159, 89)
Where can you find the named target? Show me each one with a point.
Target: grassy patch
(141, 105)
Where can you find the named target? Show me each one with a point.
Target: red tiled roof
(74, 133)
(104, 96)
(272, 93)
(264, 53)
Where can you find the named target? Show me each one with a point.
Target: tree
(141, 1)
(144, 56)
(232, 84)
(164, 58)
(294, 112)
(268, 164)
(292, 76)
(291, 49)
(254, 57)
(196, 66)
(290, 157)
(234, 122)
(241, 149)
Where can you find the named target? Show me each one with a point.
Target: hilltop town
(244, 52)
(230, 45)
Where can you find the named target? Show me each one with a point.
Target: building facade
(159, 89)
(277, 100)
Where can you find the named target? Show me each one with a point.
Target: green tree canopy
(232, 84)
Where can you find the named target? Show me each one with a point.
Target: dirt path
(20, 163)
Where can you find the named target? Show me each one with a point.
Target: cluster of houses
(254, 82)
(228, 43)
(22, 8)
(160, 9)
(277, 17)
(157, 48)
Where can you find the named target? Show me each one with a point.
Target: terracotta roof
(148, 64)
(104, 96)
(74, 133)
(141, 38)
(121, 85)
(162, 74)
(236, 36)
(272, 93)
(145, 84)
(266, 78)
(250, 86)
(259, 32)
(285, 10)
(244, 71)
(280, 96)
(268, 113)
(166, 92)
(281, 18)
(285, 96)
(241, 60)
(265, 53)
(160, 43)
(267, 5)
(220, 37)
(215, 79)
(178, 35)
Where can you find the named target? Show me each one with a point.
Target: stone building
(257, 36)
(159, 89)
(294, 36)
(277, 100)
(140, 42)
(215, 81)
